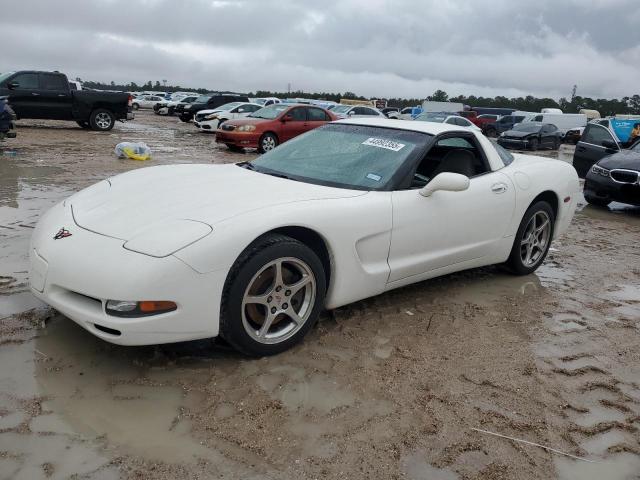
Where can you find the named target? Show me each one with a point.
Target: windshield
(260, 101)
(527, 127)
(203, 98)
(270, 112)
(432, 117)
(346, 156)
(4, 76)
(341, 108)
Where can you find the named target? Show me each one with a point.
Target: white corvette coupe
(254, 251)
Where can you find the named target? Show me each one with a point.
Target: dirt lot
(390, 387)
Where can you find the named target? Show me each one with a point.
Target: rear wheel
(272, 297)
(267, 142)
(598, 202)
(532, 240)
(102, 120)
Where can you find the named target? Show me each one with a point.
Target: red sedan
(271, 126)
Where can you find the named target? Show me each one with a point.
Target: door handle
(35, 94)
(61, 95)
(498, 188)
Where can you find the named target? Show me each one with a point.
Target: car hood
(126, 205)
(518, 134)
(624, 159)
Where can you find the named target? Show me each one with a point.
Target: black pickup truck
(47, 95)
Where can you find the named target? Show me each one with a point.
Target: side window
(251, 108)
(26, 81)
(298, 114)
(552, 128)
(462, 122)
(316, 115)
(538, 118)
(595, 134)
(49, 81)
(456, 154)
(452, 121)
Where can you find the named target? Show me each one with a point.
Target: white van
(591, 114)
(564, 121)
(449, 107)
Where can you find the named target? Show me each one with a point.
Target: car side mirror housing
(610, 145)
(287, 118)
(446, 181)
(13, 85)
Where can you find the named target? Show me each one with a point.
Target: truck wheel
(102, 120)
(83, 124)
(135, 106)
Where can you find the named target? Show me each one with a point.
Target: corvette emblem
(62, 233)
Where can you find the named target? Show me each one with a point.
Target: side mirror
(610, 145)
(446, 181)
(13, 85)
(287, 118)
(351, 112)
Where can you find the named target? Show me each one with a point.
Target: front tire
(272, 297)
(533, 144)
(532, 240)
(267, 142)
(102, 120)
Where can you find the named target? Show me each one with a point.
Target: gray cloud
(381, 48)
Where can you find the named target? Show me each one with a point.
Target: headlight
(212, 116)
(600, 171)
(246, 128)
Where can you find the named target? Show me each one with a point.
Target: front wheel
(102, 120)
(532, 240)
(272, 297)
(533, 144)
(267, 142)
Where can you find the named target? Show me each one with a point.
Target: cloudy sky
(381, 48)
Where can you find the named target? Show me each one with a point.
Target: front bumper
(604, 188)
(207, 125)
(238, 139)
(513, 143)
(76, 275)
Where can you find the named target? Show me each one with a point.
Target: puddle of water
(618, 467)
(415, 467)
(96, 389)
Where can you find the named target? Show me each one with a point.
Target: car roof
(414, 126)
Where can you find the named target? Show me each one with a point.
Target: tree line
(625, 105)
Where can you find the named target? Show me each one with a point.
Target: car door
(25, 96)
(316, 117)
(590, 148)
(447, 228)
(295, 123)
(55, 97)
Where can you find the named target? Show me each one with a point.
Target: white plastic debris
(134, 151)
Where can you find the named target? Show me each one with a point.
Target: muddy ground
(391, 387)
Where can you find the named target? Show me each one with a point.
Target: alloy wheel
(278, 300)
(103, 120)
(268, 143)
(535, 239)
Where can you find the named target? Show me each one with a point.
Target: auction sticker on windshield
(382, 143)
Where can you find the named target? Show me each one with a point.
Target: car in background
(479, 120)
(601, 138)
(531, 136)
(208, 101)
(7, 118)
(615, 178)
(168, 107)
(574, 135)
(48, 96)
(391, 112)
(563, 121)
(445, 117)
(210, 120)
(146, 101)
(348, 111)
(265, 101)
(270, 126)
(502, 125)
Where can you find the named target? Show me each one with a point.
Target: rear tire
(598, 202)
(267, 142)
(533, 239)
(272, 297)
(102, 120)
